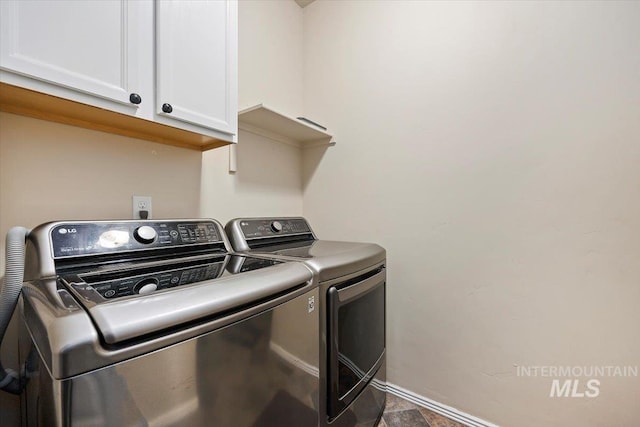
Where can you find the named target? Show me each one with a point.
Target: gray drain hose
(9, 294)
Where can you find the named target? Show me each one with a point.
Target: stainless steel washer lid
(126, 319)
(70, 337)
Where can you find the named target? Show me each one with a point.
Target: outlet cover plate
(141, 203)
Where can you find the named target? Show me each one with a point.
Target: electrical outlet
(141, 203)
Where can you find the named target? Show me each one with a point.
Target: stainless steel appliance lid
(136, 316)
(74, 338)
(329, 259)
(293, 239)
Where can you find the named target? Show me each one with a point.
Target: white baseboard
(438, 408)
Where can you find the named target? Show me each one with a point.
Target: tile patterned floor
(402, 413)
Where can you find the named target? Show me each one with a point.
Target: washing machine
(158, 323)
(351, 278)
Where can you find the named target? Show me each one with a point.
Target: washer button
(147, 289)
(145, 234)
(146, 286)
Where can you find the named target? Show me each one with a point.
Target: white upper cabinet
(196, 48)
(87, 46)
(172, 63)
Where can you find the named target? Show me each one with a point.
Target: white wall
(493, 148)
(270, 54)
(270, 63)
(50, 171)
(267, 181)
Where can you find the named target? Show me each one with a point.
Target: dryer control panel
(267, 227)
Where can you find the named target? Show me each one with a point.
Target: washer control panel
(94, 238)
(117, 282)
(271, 227)
(148, 283)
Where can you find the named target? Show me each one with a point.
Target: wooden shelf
(266, 121)
(17, 100)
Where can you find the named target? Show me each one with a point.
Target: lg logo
(67, 230)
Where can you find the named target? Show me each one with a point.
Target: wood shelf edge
(38, 105)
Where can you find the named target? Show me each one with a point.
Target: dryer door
(356, 337)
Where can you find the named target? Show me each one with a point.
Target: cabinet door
(197, 63)
(85, 46)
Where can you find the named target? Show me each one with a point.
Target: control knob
(146, 286)
(276, 226)
(145, 234)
